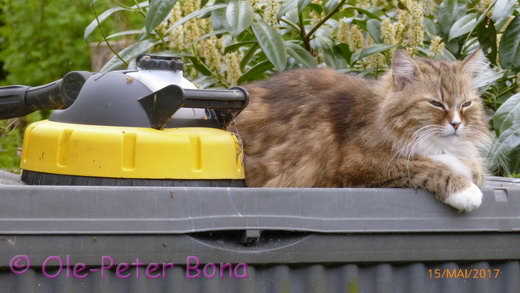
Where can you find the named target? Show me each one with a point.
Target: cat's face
(434, 103)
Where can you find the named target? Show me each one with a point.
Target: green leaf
(508, 114)
(255, 72)
(446, 55)
(453, 46)
(333, 58)
(286, 7)
(463, 26)
(429, 27)
(292, 5)
(513, 162)
(272, 44)
(235, 46)
(200, 66)
(373, 26)
(302, 4)
(193, 15)
(331, 4)
(366, 72)
(239, 15)
(344, 51)
(509, 51)
(370, 50)
(507, 145)
(506, 122)
(361, 10)
(449, 12)
(469, 47)
(103, 16)
(157, 12)
(316, 7)
(218, 19)
(483, 81)
(249, 54)
(502, 11)
(127, 33)
(203, 2)
(139, 5)
(321, 42)
(487, 37)
(94, 24)
(128, 54)
(301, 55)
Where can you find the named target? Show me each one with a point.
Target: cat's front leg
(478, 170)
(472, 169)
(453, 185)
(454, 188)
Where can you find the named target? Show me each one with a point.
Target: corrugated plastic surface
(314, 278)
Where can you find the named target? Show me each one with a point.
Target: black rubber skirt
(39, 178)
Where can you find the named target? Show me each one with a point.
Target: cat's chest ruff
(453, 163)
(458, 149)
(449, 153)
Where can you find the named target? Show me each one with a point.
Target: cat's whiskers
(481, 139)
(422, 137)
(409, 146)
(496, 154)
(418, 137)
(494, 151)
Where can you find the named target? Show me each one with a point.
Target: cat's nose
(455, 124)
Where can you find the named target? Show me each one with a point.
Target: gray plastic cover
(178, 210)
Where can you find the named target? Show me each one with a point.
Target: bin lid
(178, 210)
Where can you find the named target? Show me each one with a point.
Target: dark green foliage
(40, 41)
(43, 39)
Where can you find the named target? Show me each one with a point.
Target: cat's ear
(403, 69)
(477, 66)
(475, 63)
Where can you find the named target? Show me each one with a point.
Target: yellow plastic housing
(131, 152)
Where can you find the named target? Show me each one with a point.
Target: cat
(421, 125)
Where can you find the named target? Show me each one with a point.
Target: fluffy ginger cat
(421, 125)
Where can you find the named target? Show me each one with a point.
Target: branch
(306, 43)
(317, 26)
(291, 24)
(105, 38)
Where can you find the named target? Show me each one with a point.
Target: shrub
(43, 40)
(40, 41)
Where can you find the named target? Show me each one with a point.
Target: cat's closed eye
(466, 104)
(437, 104)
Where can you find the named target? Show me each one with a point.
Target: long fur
(321, 128)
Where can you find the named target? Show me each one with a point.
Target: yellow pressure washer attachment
(143, 127)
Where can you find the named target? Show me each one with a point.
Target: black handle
(12, 101)
(233, 99)
(20, 100)
(45, 97)
(162, 104)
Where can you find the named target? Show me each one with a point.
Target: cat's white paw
(465, 200)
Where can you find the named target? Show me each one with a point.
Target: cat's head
(432, 105)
